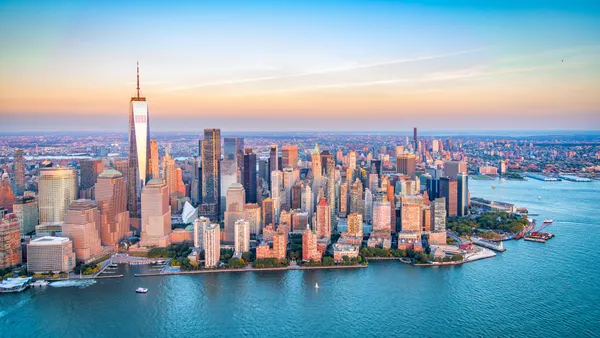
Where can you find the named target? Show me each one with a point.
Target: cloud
(320, 72)
(454, 75)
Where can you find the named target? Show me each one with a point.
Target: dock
(541, 177)
(488, 245)
(574, 178)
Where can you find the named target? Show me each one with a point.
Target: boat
(14, 284)
(547, 221)
(539, 197)
(40, 283)
(316, 285)
(141, 290)
(493, 187)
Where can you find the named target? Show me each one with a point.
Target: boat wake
(84, 283)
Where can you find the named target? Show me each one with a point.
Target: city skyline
(270, 66)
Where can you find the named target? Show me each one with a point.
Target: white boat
(141, 290)
(539, 197)
(547, 221)
(316, 285)
(40, 283)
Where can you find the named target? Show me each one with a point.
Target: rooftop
(48, 240)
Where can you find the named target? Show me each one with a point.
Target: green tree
(328, 261)
(236, 263)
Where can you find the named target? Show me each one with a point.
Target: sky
(307, 65)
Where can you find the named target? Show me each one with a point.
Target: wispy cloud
(321, 72)
(477, 72)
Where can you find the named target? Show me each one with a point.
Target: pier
(488, 245)
(574, 178)
(541, 177)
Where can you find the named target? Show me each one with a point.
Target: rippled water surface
(533, 289)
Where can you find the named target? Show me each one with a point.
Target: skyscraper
(323, 219)
(449, 190)
(355, 225)
(242, 236)
(212, 245)
(462, 181)
(89, 171)
(156, 214)
(289, 155)
(211, 156)
(330, 170)
(405, 164)
(415, 139)
(253, 215)
(19, 172)
(57, 189)
(27, 212)
(317, 169)
(200, 225)
(438, 214)
(10, 241)
(453, 168)
(153, 162)
(268, 212)
(139, 148)
(249, 176)
(235, 202)
(111, 196)
(82, 226)
(7, 197)
(382, 216)
(273, 162)
(170, 173)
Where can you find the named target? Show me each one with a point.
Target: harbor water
(531, 290)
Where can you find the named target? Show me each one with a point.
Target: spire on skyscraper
(138, 79)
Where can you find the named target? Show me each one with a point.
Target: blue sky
(282, 65)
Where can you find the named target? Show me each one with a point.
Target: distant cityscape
(75, 205)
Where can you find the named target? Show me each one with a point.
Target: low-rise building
(341, 250)
(50, 254)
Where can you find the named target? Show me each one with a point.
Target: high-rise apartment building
(242, 236)
(355, 225)
(382, 216)
(10, 241)
(139, 149)
(411, 213)
(323, 219)
(200, 224)
(57, 188)
(82, 226)
(7, 197)
(438, 215)
(309, 246)
(170, 174)
(111, 196)
(212, 245)
(252, 214)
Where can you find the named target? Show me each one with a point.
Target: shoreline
(287, 268)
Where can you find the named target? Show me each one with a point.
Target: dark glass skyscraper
(139, 149)
(463, 194)
(211, 156)
(249, 176)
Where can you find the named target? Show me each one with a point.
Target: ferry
(40, 283)
(141, 290)
(14, 284)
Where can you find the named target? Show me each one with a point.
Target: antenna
(138, 79)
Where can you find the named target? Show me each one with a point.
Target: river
(531, 290)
